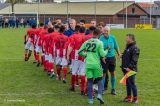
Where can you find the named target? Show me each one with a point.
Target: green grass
(23, 81)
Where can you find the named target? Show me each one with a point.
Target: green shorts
(94, 73)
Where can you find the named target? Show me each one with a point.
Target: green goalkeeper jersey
(93, 50)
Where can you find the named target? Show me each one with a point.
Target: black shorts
(110, 64)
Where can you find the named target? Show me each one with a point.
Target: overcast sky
(107, 0)
(113, 0)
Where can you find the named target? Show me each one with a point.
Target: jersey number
(91, 47)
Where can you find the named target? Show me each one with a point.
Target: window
(133, 10)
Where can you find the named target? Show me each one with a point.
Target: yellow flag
(128, 74)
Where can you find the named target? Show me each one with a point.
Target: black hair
(131, 36)
(50, 30)
(41, 24)
(92, 28)
(53, 23)
(77, 27)
(56, 26)
(82, 29)
(62, 29)
(83, 21)
(34, 26)
(101, 24)
(96, 32)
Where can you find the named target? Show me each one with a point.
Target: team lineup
(87, 52)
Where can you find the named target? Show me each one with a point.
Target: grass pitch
(23, 84)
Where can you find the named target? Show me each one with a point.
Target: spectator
(21, 22)
(17, 23)
(6, 22)
(71, 29)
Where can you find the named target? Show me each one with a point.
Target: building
(154, 12)
(108, 12)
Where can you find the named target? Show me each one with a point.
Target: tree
(13, 2)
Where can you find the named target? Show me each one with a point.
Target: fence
(106, 19)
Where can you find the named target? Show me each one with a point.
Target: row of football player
(57, 48)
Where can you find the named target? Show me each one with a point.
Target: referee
(110, 43)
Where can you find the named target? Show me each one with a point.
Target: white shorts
(38, 49)
(29, 45)
(46, 57)
(78, 67)
(61, 61)
(51, 59)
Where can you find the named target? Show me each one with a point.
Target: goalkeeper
(93, 49)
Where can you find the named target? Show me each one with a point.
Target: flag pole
(150, 19)
(126, 16)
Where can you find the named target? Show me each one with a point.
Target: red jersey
(89, 36)
(45, 43)
(61, 45)
(41, 34)
(37, 36)
(52, 38)
(31, 34)
(76, 42)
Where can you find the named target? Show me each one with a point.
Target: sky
(107, 0)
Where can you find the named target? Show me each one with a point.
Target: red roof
(146, 5)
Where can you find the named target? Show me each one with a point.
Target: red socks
(45, 64)
(51, 66)
(65, 71)
(83, 79)
(35, 55)
(38, 57)
(76, 79)
(42, 59)
(59, 71)
(73, 81)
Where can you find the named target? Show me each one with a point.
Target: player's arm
(70, 48)
(25, 38)
(81, 50)
(102, 52)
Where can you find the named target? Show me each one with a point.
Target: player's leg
(65, 71)
(30, 50)
(64, 64)
(35, 57)
(58, 67)
(38, 59)
(48, 64)
(89, 75)
(98, 74)
(38, 51)
(77, 80)
(26, 55)
(74, 67)
(90, 86)
(29, 54)
(111, 67)
(82, 76)
(45, 61)
(27, 46)
(51, 66)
